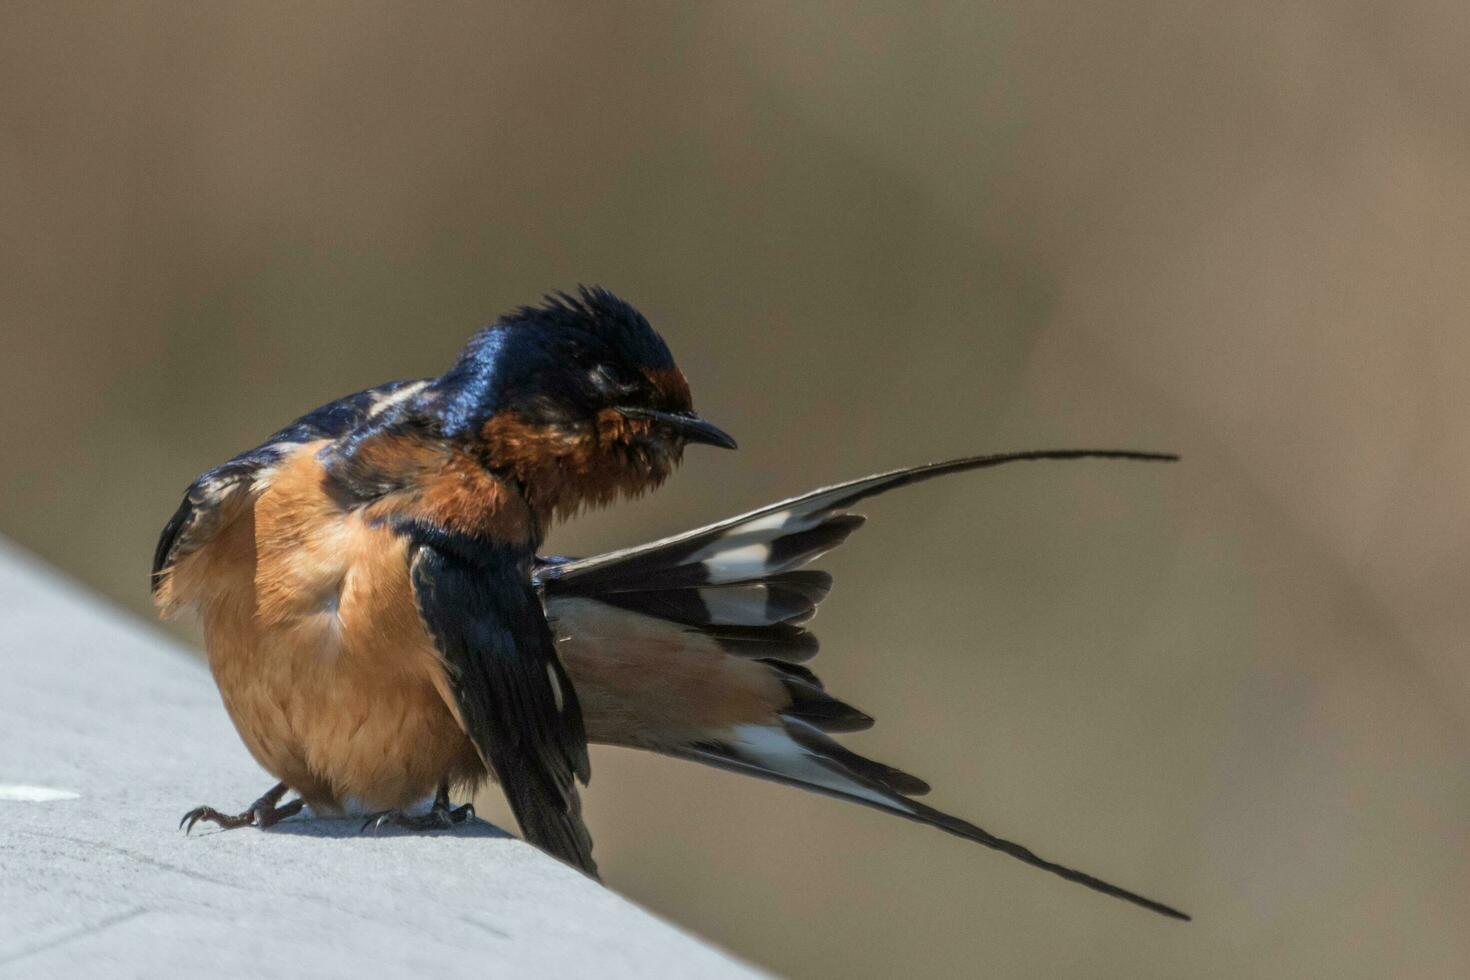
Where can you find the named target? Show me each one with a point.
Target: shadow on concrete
(350, 827)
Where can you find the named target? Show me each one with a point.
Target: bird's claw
(376, 822)
(225, 820)
(262, 813)
(439, 818)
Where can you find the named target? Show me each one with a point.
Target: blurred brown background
(874, 235)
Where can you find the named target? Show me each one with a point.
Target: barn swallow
(382, 627)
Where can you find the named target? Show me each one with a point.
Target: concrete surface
(109, 732)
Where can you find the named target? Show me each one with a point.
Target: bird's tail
(693, 646)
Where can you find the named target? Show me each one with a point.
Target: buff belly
(321, 659)
(344, 735)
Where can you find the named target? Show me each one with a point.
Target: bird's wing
(214, 496)
(771, 539)
(512, 695)
(738, 587)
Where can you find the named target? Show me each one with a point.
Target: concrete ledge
(109, 732)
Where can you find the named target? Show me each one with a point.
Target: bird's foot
(440, 817)
(262, 813)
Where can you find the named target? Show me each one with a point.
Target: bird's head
(578, 400)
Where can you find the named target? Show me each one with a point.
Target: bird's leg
(262, 813)
(441, 815)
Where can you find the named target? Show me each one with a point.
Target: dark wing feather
(740, 581)
(771, 539)
(804, 757)
(207, 497)
(514, 698)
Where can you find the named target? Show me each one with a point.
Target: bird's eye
(604, 383)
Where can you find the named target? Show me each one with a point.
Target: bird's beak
(689, 426)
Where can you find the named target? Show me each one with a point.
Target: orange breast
(319, 653)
